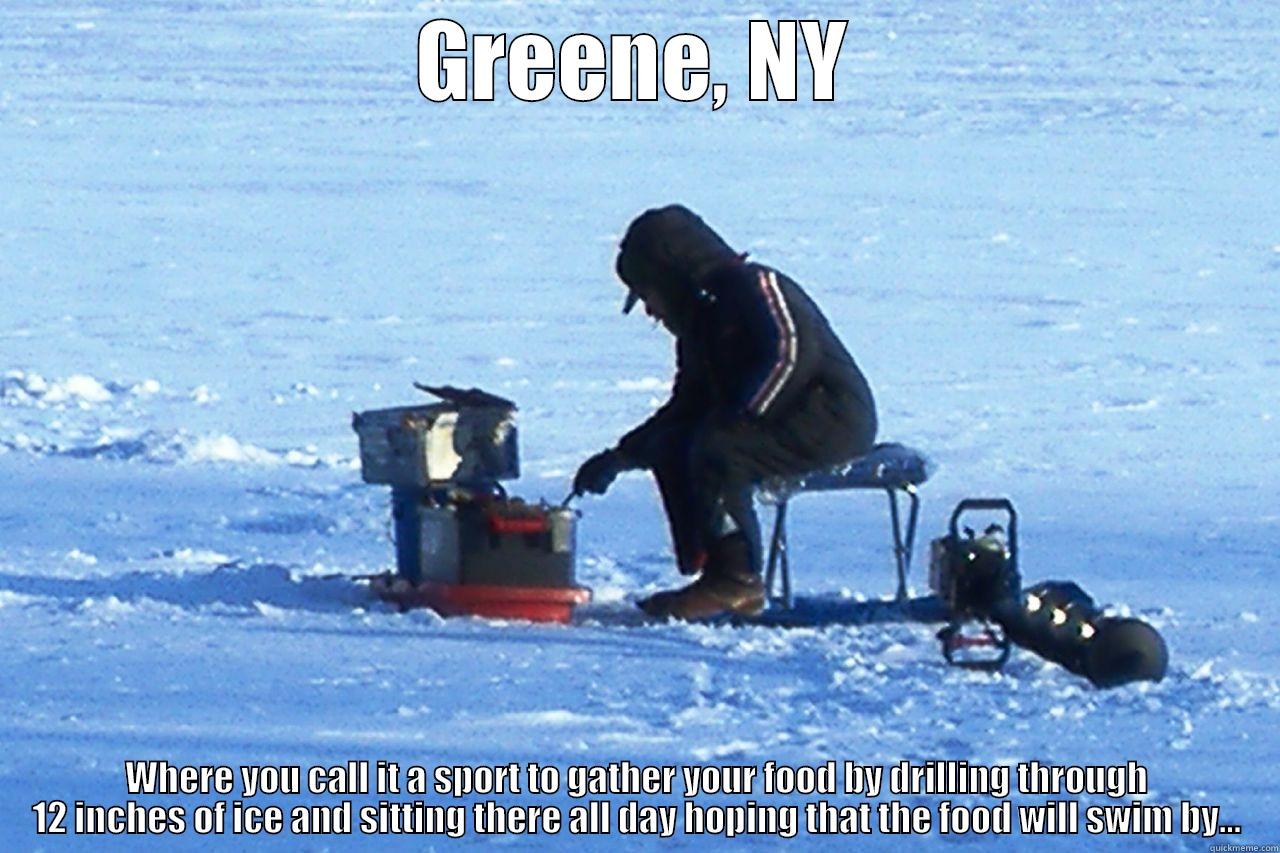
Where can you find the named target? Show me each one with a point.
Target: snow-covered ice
(1049, 233)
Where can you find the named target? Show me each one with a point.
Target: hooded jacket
(751, 345)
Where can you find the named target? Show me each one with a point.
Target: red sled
(531, 603)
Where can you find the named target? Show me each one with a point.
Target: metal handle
(989, 504)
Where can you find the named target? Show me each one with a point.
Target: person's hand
(597, 473)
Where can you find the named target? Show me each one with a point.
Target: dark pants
(706, 472)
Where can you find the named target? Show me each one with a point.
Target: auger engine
(978, 581)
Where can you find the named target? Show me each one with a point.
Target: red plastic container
(532, 603)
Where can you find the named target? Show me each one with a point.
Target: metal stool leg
(778, 560)
(912, 518)
(902, 546)
(777, 578)
(786, 573)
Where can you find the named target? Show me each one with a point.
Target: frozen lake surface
(1050, 237)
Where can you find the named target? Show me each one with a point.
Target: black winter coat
(758, 349)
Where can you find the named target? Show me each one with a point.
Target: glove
(598, 473)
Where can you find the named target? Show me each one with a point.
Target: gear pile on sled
(463, 546)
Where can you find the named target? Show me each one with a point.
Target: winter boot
(727, 586)
(656, 604)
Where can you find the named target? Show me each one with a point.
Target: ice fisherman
(763, 388)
